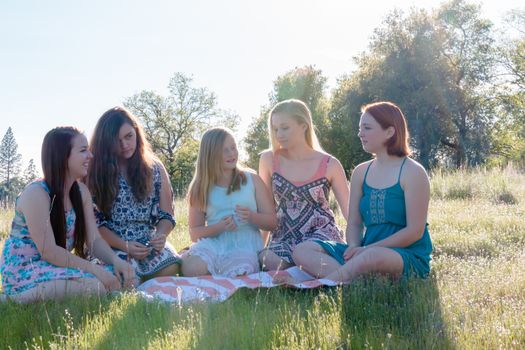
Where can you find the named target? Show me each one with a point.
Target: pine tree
(30, 173)
(9, 157)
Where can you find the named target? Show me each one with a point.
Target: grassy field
(475, 297)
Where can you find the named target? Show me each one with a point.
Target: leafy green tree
(508, 136)
(400, 67)
(256, 139)
(344, 122)
(308, 85)
(436, 67)
(512, 48)
(468, 48)
(9, 157)
(174, 123)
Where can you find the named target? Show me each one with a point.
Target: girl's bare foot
(284, 279)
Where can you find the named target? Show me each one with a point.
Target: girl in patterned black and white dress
(132, 195)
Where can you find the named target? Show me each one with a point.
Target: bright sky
(66, 62)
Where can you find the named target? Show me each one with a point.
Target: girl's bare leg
(59, 289)
(270, 261)
(312, 258)
(372, 260)
(193, 265)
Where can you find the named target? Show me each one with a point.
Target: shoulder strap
(367, 168)
(42, 183)
(323, 166)
(401, 169)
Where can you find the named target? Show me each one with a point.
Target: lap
(380, 260)
(154, 262)
(332, 248)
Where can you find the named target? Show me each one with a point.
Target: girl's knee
(301, 252)
(192, 266)
(307, 246)
(365, 262)
(171, 270)
(270, 261)
(373, 261)
(89, 286)
(266, 256)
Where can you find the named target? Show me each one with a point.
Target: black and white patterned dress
(136, 221)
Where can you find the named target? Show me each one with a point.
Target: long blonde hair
(209, 167)
(299, 111)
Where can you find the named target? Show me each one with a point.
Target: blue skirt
(413, 265)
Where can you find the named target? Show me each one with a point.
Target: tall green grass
(474, 298)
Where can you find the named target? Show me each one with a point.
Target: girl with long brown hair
(132, 194)
(53, 217)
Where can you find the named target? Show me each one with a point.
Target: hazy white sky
(66, 62)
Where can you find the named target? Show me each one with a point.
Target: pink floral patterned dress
(22, 266)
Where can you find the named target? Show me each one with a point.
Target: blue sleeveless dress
(22, 266)
(384, 213)
(234, 253)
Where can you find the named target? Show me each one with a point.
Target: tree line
(459, 80)
(12, 179)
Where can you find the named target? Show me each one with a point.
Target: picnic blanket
(187, 290)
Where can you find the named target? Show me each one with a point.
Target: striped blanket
(187, 290)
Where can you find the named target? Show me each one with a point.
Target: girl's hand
(137, 250)
(229, 223)
(158, 241)
(125, 273)
(352, 252)
(109, 280)
(243, 213)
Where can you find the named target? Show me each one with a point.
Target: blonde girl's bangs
(300, 112)
(209, 165)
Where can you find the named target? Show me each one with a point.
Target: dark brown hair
(56, 149)
(102, 178)
(388, 114)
